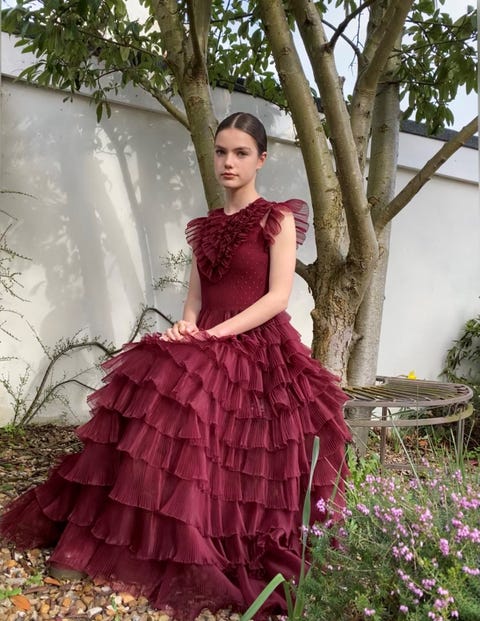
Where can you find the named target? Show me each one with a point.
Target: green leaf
(99, 111)
(262, 598)
(124, 53)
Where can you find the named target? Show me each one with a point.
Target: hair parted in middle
(249, 124)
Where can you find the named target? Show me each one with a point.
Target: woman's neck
(239, 199)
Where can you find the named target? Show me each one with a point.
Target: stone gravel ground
(27, 593)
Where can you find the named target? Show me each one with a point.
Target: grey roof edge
(419, 129)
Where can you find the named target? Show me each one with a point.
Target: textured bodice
(232, 253)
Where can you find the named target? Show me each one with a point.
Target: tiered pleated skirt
(190, 486)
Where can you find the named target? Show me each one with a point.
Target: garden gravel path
(27, 593)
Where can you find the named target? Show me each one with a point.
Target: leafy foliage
(96, 44)
(92, 44)
(438, 57)
(408, 549)
(240, 55)
(462, 365)
(462, 362)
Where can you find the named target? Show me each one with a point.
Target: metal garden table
(421, 397)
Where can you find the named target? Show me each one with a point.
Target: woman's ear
(261, 159)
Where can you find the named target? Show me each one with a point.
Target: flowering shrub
(408, 549)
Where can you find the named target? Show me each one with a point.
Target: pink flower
(444, 547)
(322, 505)
(363, 509)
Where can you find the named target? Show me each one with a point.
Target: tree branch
(139, 322)
(363, 245)
(199, 18)
(341, 27)
(164, 101)
(323, 183)
(354, 47)
(306, 272)
(382, 217)
(172, 32)
(380, 43)
(382, 40)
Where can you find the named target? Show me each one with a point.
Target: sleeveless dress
(190, 486)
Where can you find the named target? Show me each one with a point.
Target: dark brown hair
(249, 124)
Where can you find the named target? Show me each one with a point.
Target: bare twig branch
(341, 27)
(382, 217)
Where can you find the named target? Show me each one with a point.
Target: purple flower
(444, 547)
(363, 509)
(428, 583)
(425, 516)
(322, 505)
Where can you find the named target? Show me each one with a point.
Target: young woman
(190, 485)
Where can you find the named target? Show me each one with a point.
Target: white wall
(107, 201)
(433, 279)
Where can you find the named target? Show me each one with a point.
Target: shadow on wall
(111, 200)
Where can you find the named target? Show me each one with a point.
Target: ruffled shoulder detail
(214, 238)
(273, 224)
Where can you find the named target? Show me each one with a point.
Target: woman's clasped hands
(179, 330)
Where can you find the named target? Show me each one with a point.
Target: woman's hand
(179, 330)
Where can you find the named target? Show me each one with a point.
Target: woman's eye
(219, 151)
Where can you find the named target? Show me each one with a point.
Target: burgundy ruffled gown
(190, 485)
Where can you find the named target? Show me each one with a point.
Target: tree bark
(363, 360)
(386, 23)
(322, 180)
(333, 319)
(362, 243)
(187, 59)
(339, 280)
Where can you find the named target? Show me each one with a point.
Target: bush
(408, 549)
(462, 365)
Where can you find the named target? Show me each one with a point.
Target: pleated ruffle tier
(190, 486)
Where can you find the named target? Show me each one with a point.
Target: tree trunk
(187, 59)
(338, 281)
(333, 320)
(196, 96)
(362, 363)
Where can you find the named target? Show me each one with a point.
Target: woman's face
(236, 158)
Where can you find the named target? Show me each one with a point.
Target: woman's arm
(191, 308)
(193, 303)
(282, 269)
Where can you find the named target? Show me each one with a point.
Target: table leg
(383, 437)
